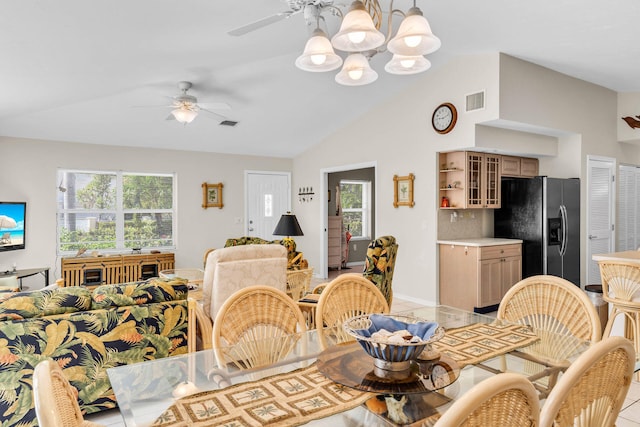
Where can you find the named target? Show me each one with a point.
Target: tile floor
(629, 416)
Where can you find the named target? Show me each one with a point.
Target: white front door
(600, 213)
(268, 197)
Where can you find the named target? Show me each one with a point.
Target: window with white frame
(102, 210)
(355, 197)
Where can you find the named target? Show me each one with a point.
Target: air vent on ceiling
(228, 123)
(475, 101)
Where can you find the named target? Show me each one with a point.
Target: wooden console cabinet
(475, 278)
(94, 271)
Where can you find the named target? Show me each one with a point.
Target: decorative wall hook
(305, 194)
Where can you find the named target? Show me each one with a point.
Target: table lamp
(288, 226)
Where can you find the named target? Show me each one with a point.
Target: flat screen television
(12, 225)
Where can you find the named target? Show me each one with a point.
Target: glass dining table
(340, 388)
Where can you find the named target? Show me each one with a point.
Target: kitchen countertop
(482, 241)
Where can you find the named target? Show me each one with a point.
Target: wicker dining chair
(621, 289)
(592, 391)
(504, 400)
(298, 282)
(551, 305)
(346, 296)
(56, 401)
(256, 326)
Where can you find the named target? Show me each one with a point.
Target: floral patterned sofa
(85, 332)
(295, 259)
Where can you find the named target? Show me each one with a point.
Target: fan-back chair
(504, 400)
(56, 400)
(345, 296)
(256, 326)
(591, 392)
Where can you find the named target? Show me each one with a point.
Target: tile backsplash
(464, 223)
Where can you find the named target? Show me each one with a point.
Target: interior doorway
(600, 212)
(329, 177)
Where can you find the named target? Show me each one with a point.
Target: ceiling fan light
(318, 55)
(403, 65)
(357, 31)
(184, 115)
(414, 36)
(356, 71)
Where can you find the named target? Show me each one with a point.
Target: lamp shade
(407, 65)
(356, 71)
(288, 226)
(414, 36)
(357, 32)
(184, 114)
(318, 55)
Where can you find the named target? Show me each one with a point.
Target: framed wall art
(212, 195)
(403, 190)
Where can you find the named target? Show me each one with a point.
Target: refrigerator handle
(565, 232)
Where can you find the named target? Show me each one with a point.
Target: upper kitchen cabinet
(513, 166)
(452, 180)
(483, 180)
(469, 180)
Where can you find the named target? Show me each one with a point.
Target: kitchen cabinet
(475, 276)
(525, 167)
(452, 178)
(483, 180)
(469, 180)
(336, 241)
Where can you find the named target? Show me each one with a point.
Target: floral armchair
(379, 264)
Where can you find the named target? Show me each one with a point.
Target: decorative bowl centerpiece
(393, 341)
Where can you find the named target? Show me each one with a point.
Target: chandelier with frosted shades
(359, 35)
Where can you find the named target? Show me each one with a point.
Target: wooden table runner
(289, 399)
(476, 343)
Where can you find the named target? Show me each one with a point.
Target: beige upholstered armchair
(228, 270)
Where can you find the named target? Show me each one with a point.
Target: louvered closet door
(599, 214)
(627, 225)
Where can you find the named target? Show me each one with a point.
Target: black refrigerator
(545, 214)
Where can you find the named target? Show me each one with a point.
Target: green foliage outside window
(89, 220)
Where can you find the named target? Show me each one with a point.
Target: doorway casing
(324, 212)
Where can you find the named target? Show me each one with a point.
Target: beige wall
(576, 118)
(571, 119)
(29, 173)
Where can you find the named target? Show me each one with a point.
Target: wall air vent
(228, 123)
(475, 101)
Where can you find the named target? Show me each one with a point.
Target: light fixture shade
(414, 36)
(184, 114)
(357, 32)
(288, 226)
(356, 71)
(318, 55)
(403, 65)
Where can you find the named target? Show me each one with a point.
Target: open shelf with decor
(452, 172)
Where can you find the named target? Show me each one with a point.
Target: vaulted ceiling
(101, 71)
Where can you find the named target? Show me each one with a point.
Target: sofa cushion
(136, 293)
(24, 305)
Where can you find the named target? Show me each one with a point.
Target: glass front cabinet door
(483, 180)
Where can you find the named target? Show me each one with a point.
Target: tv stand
(93, 271)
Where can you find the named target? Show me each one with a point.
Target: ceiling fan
(185, 107)
(295, 7)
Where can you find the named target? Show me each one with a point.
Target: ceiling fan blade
(261, 23)
(218, 116)
(214, 105)
(170, 117)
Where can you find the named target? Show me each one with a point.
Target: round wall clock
(444, 118)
